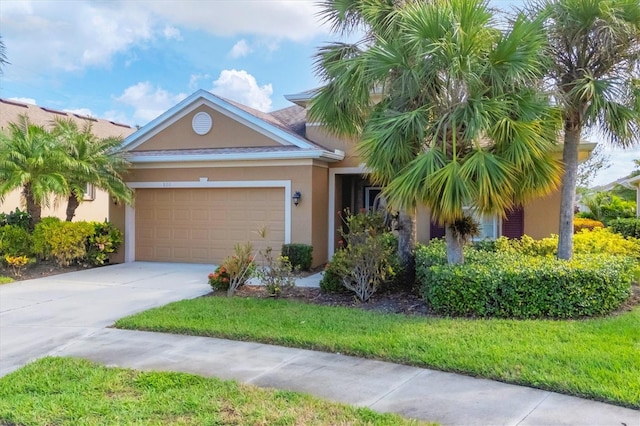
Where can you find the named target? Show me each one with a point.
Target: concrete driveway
(40, 316)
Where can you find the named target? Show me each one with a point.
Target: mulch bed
(406, 303)
(43, 268)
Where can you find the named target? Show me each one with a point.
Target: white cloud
(194, 80)
(293, 20)
(72, 35)
(117, 117)
(148, 101)
(85, 112)
(240, 49)
(24, 100)
(242, 87)
(171, 33)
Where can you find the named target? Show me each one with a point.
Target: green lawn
(66, 391)
(596, 358)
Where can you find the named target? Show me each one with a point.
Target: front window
(489, 225)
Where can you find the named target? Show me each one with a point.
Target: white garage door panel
(202, 225)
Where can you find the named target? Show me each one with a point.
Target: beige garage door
(202, 225)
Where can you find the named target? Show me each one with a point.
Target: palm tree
(594, 47)
(445, 105)
(94, 161)
(30, 159)
(3, 56)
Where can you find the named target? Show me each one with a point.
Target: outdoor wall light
(296, 198)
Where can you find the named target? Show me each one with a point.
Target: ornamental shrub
(602, 240)
(106, 239)
(18, 217)
(219, 279)
(64, 241)
(629, 227)
(15, 241)
(300, 255)
(586, 241)
(240, 267)
(580, 223)
(513, 285)
(367, 261)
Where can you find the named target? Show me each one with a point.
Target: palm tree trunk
(407, 244)
(455, 255)
(72, 205)
(34, 209)
(568, 193)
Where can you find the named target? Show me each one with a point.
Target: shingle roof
(43, 116)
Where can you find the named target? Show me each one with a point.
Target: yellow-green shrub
(580, 223)
(15, 241)
(64, 241)
(586, 241)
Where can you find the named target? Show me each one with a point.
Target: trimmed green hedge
(514, 285)
(629, 228)
(300, 255)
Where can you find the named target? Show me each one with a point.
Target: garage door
(202, 225)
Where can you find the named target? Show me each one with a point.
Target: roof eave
(326, 156)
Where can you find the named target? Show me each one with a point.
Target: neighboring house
(631, 181)
(209, 173)
(96, 202)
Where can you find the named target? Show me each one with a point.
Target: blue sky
(131, 60)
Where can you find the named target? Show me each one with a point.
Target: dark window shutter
(436, 231)
(513, 224)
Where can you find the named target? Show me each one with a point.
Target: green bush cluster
(15, 241)
(629, 227)
(63, 241)
(522, 279)
(66, 242)
(515, 285)
(18, 217)
(300, 255)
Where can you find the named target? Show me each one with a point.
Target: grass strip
(67, 391)
(5, 280)
(595, 358)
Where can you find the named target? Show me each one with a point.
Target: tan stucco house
(96, 203)
(209, 173)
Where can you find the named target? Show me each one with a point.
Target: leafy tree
(594, 50)
(31, 159)
(446, 107)
(94, 161)
(589, 169)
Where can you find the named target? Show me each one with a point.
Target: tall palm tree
(445, 105)
(94, 161)
(30, 159)
(594, 51)
(3, 56)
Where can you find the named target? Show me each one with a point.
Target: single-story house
(96, 202)
(209, 173)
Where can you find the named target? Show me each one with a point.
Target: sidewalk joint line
(395, 388)
(534, 408)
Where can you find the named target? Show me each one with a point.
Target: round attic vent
(201, 123)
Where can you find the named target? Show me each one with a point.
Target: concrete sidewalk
(450, 399)
(66, 315)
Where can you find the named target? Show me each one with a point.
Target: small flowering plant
(219, 279)
(16, 263)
